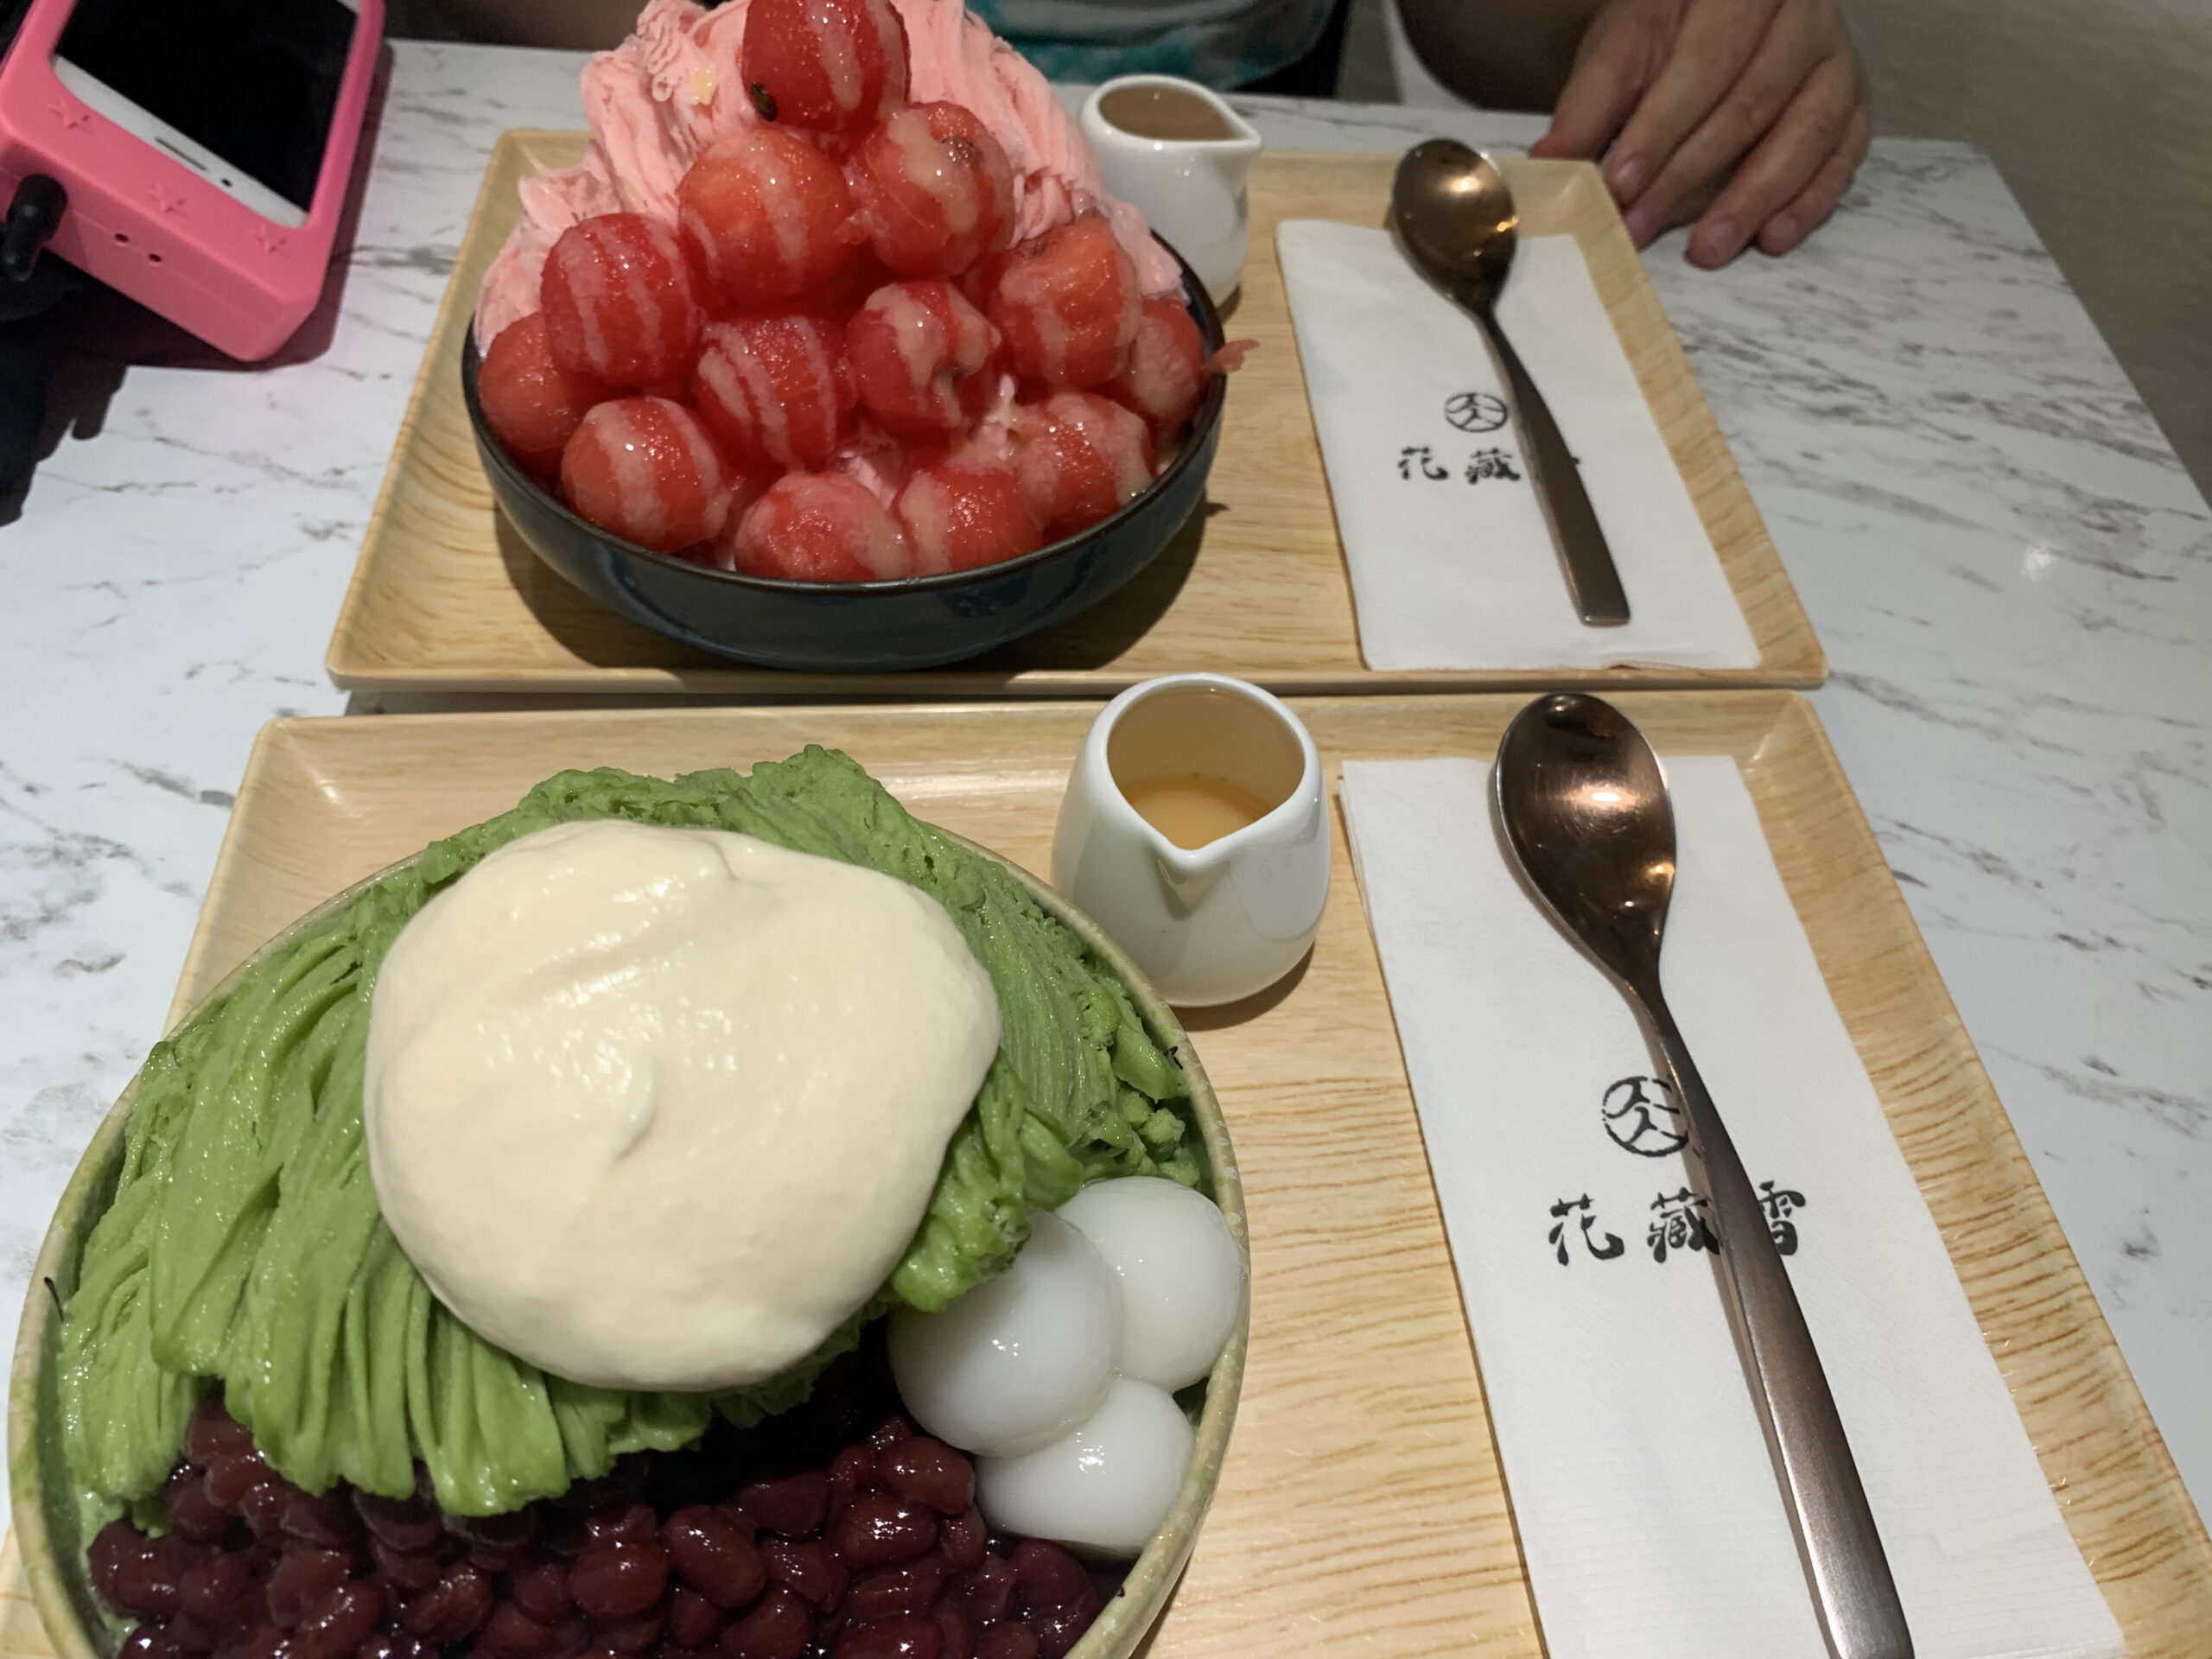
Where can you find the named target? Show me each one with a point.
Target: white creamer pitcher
(1190, 189)
(1214, 922)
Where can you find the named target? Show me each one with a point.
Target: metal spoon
(1455, 218)
(1585, 812)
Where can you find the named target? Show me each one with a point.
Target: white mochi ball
(1020, 1360)
(1107, 1487)
(1182, 1278)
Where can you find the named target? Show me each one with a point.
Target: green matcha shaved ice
(244, 1242)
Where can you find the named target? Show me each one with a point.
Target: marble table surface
(2011, 572)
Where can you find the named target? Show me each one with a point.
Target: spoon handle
(1593, 581)
(1857, 1599)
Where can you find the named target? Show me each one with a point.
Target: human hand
(1677, 93)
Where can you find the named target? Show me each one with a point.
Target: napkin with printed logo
(1453, 563)
(1642, 1490)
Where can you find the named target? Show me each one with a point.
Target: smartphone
(242, 92)
(205, 148)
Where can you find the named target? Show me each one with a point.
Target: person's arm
(1763, 103)
(587, 25)
(1503, 54)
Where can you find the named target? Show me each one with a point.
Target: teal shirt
(1219, 43)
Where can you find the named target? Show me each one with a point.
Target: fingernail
(1626, 177)
(1780, 231)
(1720, 242)
(1639, 225)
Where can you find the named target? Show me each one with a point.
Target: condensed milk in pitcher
(1195, 830)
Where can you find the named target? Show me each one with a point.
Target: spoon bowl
(1455, 215)
(1588, 802)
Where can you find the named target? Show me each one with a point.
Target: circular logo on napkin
(1475, 411)
(1641, 1117)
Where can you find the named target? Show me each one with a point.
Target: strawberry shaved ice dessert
(775, 388)
(836, 66)
(836, 295)
(917, 352)
(644, 469)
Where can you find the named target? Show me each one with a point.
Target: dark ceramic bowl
(861, 626)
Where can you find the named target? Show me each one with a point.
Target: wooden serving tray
(1361, 1508)
(448, 597)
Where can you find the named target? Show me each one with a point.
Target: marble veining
(2007, 566)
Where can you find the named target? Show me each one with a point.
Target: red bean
(623, 1523)
(779, 1627)
(231, 1475)
(959, 1635)
(1049, 1576)
(811, 1570)
(851, 1471)
(1058, 1628)
(511, 1633)
(263, 1508)
(693, 1621)
(180, 1555)
(711, 1553)
(145, 1584)
(1008, 1642)
(406, 1524)
(214, 1591)
(877, 1529)
(409, 1572)
(450, 1610)
(118, 1541)
(907, 1637)
(986, 1594)
(795, 1506)
(541, 1590)
(634, 1635)
(929, 1473)
(733, 1512)
(964, 1538)
(612, 1582)
(385, 1645)
(340, 1622)
(214, 1432)
(192, 1513)
(267, 1641)
(327, 1521)
(150, 1642)
(913, 1588)
(890, 1431)
(191, 1635)
(301, 1578)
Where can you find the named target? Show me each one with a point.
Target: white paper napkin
(1641, 1486)
(1452, 565)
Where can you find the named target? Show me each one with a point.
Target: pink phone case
(143, 222)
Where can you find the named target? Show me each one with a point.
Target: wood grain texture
(1360, 1509)
(447, 597)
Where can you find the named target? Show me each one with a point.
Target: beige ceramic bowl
(46, 1526)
